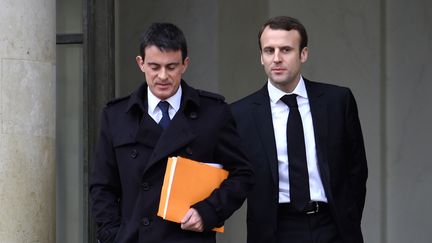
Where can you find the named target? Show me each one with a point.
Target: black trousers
(296, 227)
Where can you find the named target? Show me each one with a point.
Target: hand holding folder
(187, 182)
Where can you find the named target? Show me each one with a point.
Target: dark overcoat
(131, 159)
(340, 154)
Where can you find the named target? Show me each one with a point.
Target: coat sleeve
(358, 171)
(105, 185)
(222, 203)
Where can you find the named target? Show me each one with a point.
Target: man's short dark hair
(285, 23)
(166, 37)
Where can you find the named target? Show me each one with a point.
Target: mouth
(163, 84)
(278, 70)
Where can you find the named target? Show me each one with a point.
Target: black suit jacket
(131, 160)
(340, 152)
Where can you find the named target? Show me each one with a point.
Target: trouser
(302, 227)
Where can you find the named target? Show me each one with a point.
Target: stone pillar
(27, 121)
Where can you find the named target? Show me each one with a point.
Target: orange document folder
(187, 182)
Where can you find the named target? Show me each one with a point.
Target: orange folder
(187, 182)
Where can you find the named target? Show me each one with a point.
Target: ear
(185, 64)
(140, 62)
(261, 58)
(304, 55)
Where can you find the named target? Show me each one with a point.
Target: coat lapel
(263, 122)
(178, 133)
(149, 131)
(174, 137)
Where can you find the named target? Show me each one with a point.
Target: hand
(192, 221)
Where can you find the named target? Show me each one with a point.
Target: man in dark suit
(162, 118)
(305, 143)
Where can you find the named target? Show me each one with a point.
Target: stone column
(27, 121)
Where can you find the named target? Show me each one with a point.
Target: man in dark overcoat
(164, 117)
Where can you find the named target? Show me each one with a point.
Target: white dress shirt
(153, 109)
(280, 112)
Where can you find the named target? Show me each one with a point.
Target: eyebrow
(280, 47)
(168, 64)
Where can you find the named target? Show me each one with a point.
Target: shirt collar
(275, 93)
(174, 100)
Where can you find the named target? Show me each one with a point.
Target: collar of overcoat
(176, 135)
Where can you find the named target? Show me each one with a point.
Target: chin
(280, 80)
(163, 95)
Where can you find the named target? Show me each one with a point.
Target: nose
(276, 57)
(162, 75)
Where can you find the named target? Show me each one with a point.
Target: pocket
(119, 233)
(123, 139)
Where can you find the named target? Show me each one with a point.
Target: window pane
(69, 154)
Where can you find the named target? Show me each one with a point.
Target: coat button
(133, 154)
(145, 186)
(145, 221)
(188, 150)
(193, 115)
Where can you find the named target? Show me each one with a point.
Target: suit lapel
(318, 106)
(263, 122)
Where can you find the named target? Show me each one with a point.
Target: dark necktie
(164, 106)
(297, 165)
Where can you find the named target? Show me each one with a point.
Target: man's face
(282, 58)
(163, 70)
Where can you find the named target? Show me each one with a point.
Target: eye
(268, 50)
(154, 67)
(172, 66)
(286, 49)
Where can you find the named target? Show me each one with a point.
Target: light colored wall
(408, 119)
(239, 64)
(27, 121)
